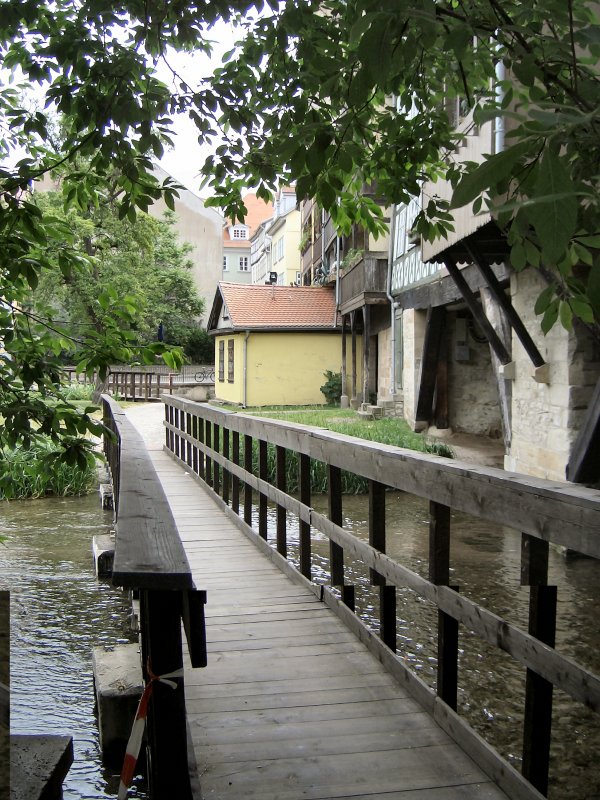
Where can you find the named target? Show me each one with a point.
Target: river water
(60, 611)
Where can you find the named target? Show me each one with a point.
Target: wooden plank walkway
(292, 706)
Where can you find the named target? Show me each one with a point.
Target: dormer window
(238, 232)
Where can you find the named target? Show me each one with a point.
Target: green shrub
(38, 471)
(200, 347)
(332, 388)
(77, 391)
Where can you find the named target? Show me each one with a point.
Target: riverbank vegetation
(40, 470)
(389, 430)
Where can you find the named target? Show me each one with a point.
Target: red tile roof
(260, 306)
(258, 211)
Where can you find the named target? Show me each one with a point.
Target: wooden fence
(217, 448)
(142, 383)
(150, 559)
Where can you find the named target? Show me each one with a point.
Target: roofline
(276, 329)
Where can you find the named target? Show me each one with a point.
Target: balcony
(364, 283)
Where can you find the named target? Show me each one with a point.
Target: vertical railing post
(208, 459)
(537, 724)
(160, 622)
(176, 426)
(188, 430)
(167, 431)
(336, 553)
(262, 498)
(439, 573)
(280, 479)
(195, 446)
(304, 543)
(226, 474)
(201, 457)
(235, 481)
(247, 487)
(216, 482)
(377, 539)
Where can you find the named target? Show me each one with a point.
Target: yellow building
(274, 343)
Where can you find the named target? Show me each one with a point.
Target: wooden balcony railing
(363, 281)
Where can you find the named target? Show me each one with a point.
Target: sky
(184, 161)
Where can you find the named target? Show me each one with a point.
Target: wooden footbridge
(299, 698)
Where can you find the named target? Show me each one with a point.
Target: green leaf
(555, 221)
(566, 315)
(488, 174)
(544, 300)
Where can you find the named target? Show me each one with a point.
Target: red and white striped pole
(137, 732)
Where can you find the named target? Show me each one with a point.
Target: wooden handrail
(150, 558)
(545, 512)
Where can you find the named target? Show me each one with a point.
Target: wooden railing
(150, 559)
(145, 383)
(367, 277)
(216, 446)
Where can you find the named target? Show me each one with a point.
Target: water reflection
(485, 564)
(59, 612)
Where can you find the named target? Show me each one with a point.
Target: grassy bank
(37, 472)
(390, 431)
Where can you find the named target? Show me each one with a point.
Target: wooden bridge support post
(235, 481)
(160, 619)
(262, 498)
(537, 725)
(226, 475)
(377, 539)
(247, 487)
(280, 479)
(216, 477)
(304, 486)
(336, 553)
(439, 573)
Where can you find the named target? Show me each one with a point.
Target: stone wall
(413, 332)
(546, 417)
(473, 404)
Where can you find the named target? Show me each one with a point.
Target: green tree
(141, 261)
(340, 93)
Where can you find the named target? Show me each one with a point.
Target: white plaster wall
(202, 228)
(547, 417)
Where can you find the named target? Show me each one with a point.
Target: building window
(221, 361)
(240, 233)
(278, 250)
(243, 263)
(230, 365)
(224, 263)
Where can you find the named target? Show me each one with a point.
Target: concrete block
(103, 548)
(508, 371)
(344, 401)
(106, 496)
(118, 685)
(38, 766)
(541, 374)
